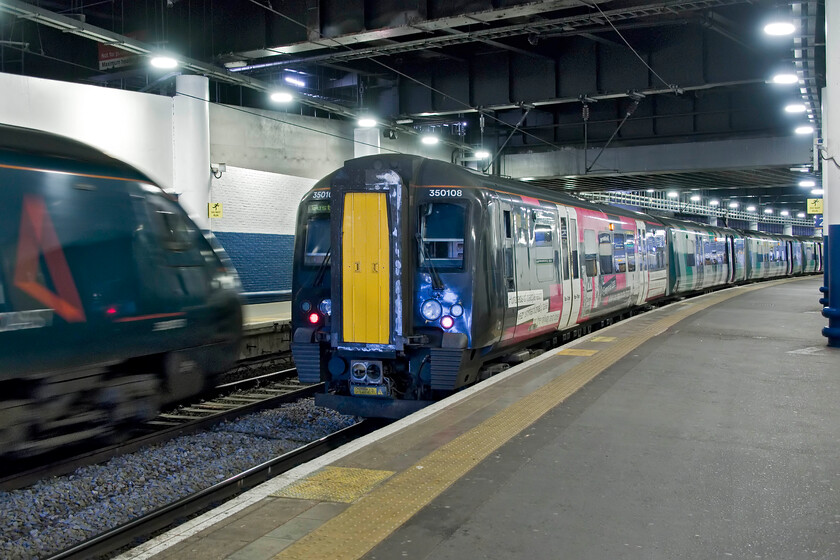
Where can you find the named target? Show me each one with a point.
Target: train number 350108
(446, 192)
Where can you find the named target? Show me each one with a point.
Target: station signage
(815, 206)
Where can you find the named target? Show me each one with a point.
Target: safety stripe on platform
(375, 516)
(577, 352)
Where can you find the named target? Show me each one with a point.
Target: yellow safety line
(376, 515)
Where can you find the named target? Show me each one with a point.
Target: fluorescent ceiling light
(695, 198)
(294, 81)
(768, 210)
(807, 183)
(817, 192)
(366, 122)
(429, 139)
(526, 178)
(795, 108)
(482, 154)
(785, 79)
(651, 190)
(804, 129)
(784, 213)
(166, 62)
(779, 28)
(800, 215)
(750, 208)
(673, 194)
(281, 96)
(733, 204)
(714, 202)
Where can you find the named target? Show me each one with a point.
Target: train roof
(27, 146)
(424, 171)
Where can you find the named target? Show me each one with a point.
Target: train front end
(354, 293)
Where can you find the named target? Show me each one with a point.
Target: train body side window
(630, 249)
(506, 218)
(590, 252)
(619, 253)
(605, 253)
(442, 235)
(690, 249)
(172, 229)
(317, 244)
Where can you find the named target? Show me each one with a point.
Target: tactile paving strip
(335, 484)
(373, 517)
(577, 352)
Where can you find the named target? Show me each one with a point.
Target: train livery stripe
(37, 236)
(366, 269)
(371, 519)
(88, 175)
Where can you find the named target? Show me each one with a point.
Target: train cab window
(171, 225)
(317, 244)
(605, 253)
(442, 226)
(619, 253)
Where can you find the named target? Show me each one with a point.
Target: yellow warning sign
(815, 206)
(214, 210)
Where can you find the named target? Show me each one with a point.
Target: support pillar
(191, 146)
(753, 226)
(787, 229)
(831, 175)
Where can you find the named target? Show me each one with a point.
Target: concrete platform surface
(706, 429)
(262, 313)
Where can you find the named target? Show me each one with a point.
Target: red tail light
(314, 318)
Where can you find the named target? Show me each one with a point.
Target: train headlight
(358, 371)
(431, 309)
(456, 310)
(447, 322)
(305, 306)
(374, 373)
(325, 307)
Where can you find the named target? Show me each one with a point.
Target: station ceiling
(528, 76)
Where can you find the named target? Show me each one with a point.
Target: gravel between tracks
(57, 513)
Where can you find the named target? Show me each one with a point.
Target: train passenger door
(789, 251)
(637, 261)
(509, 267)
(569, 274)
(729, 259)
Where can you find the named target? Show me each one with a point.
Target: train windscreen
(442, 235)
(317, 244)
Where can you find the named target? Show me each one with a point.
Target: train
(413, 278)
(113, 303)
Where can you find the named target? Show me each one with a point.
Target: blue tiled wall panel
(263, 261)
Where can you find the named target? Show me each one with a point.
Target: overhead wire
(404, 75)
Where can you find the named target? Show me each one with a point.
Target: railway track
(224, 402)
(145, 526)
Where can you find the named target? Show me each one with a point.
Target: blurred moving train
(112, 302)
(414, 278)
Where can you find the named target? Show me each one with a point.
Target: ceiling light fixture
(768, 210)
(366, 122)
(800, 215)
(795, 108)
(733, 204)
(482, 154)
(429, 139)
(164, 62)
(785, 78)
(526, 178)
(807, 183)
(294, 81)
(817, 192)
(784, 213)
(750, 208)
(673, 194)
(695, 198)
(281, 97)
(714, 202)
(778, 28)
(804, 129)
(650, 191)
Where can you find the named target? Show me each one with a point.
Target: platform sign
(815, 206)
(818, 220)
(214, 210)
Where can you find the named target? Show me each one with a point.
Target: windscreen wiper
(437, 283)
(322, 269)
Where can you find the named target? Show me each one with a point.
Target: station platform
(258, 315)
(704, 429)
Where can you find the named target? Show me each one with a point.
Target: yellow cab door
(366, 264)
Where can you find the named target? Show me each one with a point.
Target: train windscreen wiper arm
(437, 283)
(322, 269)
